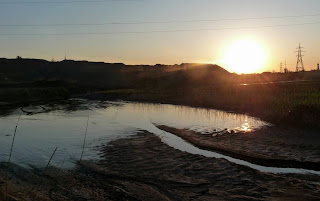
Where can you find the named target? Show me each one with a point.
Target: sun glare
(245, 56)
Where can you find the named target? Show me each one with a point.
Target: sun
(245, 56)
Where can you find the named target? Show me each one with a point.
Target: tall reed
(9, 160)
(44, 171)
(83, 146)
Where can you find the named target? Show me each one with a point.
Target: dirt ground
(144, 168)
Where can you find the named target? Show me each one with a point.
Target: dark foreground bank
(144, 168)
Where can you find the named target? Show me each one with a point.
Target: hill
(107, 75)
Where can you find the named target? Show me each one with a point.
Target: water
(275, 82)
(39, 134)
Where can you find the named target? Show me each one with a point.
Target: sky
(193, 32)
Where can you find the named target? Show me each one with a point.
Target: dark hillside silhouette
(108, 75)
(271, 96)
(118, 75)
(78, 72)
(162, 76)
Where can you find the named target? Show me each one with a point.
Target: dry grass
(293, 104)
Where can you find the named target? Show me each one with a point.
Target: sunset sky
(204, 38)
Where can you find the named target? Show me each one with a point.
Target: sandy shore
(270, 146)
(144, 168)
(181, 176)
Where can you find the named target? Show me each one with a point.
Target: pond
(43, 128)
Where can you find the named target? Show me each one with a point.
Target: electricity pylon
(285, 67)
(300, 66)
(281, 67)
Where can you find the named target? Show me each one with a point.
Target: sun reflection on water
(246, 127)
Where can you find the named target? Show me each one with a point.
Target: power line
(155, 31)
(60, 2)
(160, 22)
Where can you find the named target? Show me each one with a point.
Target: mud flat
(148, 169)
(270, 146)
(144, 168)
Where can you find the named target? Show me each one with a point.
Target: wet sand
(144, 168)
(269, 146)
(182, 176)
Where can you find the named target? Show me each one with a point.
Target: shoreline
(129, 170)
(297, 117)
(287, 119)
(212, 144)
(185, 176)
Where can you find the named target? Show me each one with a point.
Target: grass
(291, 104)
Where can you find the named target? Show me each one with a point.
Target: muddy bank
(176, 175)
(56, 184)
(144, 168)
(270, 146)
